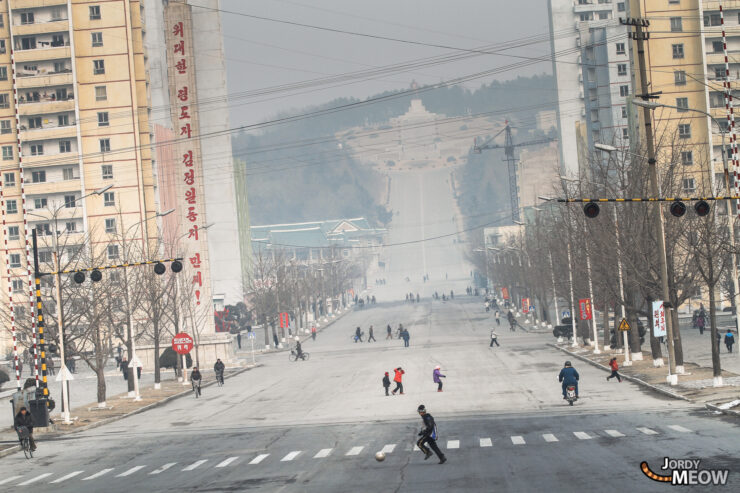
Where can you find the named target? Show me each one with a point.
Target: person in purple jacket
(437, 376)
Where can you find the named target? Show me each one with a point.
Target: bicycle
(293, 356)
(24, 436)
(220, 379)
(196, 388)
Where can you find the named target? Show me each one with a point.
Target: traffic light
(702, 208)
(176, 266)
(79, 277)
(591, 210)
(96, 275)
(159, 268)
(678, 208)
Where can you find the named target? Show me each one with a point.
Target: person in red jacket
(615, 370)
(398, 378)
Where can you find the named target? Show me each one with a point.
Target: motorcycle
(570, 394)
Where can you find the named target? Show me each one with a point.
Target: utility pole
(640, 36)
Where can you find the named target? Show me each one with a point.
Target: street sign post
(252, 336)
(584, 306)
(659, 325)
(624, 325)
(566, 313)
(182, 344)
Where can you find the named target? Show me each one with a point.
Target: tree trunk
(716, 366)
(634, 338)
(155, 328)
(130, 379)
(618, 337)
(606, 341)
(677, 344)
(100, 367)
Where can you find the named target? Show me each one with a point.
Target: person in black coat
(124, 368)
(24, 418)
(386, 382)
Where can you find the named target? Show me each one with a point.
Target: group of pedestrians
(437, 377)
(401, 333)
(410, 297)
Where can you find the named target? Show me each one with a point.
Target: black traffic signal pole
(40, 316)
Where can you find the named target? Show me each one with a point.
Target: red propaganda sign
(182, 343)
(585, 308)
(284, 320)
(505, 293)
(525, 305)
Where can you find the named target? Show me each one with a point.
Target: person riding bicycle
(196, 378)
(569, 376)
(24, 418)
(219, 368)
(298, 349)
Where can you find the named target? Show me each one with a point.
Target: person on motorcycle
(569, 376)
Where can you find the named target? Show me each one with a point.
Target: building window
(622, 69)
(63, 120)
(97, 39)
(26, 17)
(109, 199)
(2, 46)
(677, 50)
(684, 130)
(104, 145)
(683, 104)
(674, 2)
(9, 179)
(604, 15)
(689, 185)
(624, 91)
(40, 203)
(719, 73)
(15, 260)
(717, 47)
(65, 146)
(679, 78)
(625, 134)
(5, 127)
(17, 285)
(34, 122)
(687, 158)
(624, 112)
(4, 101)
(95, 12)
(107, 170)
(586, 16)
(37, 149)
(676, 24)
(7, 153)
(3, 73)
(38, 176)
(71, 227)
(110, 225)
(11, 206)
(103, 119)
(43, 229)
(2, 21)
(112, 252)
(45, 257)
(14, 233)
(712, 20)
(70, 201)
(68, 173)
(101, 94)
(620, 49)
(620, 7)
(99, 67)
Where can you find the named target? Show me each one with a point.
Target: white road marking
(388, 449)
(195, 464)
(453, 444)
(647, 431)
(486, 442)
(518, 440)
(679, 428)
(355, 450)
(582, 435)
(292, 455)
(163, 468)
(68, 476)
(227, 462)
(9, 479)
(130, 471)
(33, 480)
(549, 437)
(258, 459)
(614, 433)
(324, 452)
(98, 474)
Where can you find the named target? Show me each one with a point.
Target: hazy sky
(263, 54)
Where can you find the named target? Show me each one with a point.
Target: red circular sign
(182, 343)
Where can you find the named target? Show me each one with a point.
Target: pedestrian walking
(399, 330)
(494, 339)
(488, 306)
(50, 366)
(239, 340)
(124, 368)
(729, 340)
(428, 436)
(389, 332)
(700, 324)
(19, 363)
(498, 319)
(437, 377)
(615, 370)
(313, 332)
(358, 334)
(386, 382)
(405, 336)
(512, 321)
(370, 334)
(275, 340)
(398, 378)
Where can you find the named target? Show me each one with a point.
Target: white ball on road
(380, 456)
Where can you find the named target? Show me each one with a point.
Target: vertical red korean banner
(525, 305)
(505, 293)
(585, 309)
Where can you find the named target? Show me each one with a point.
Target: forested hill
(297, 171)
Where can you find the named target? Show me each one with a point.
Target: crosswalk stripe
(33, 480)
(679, 428)
(453, 444)
(227, 462)
(258, 459)
(292, 455)
(549, 437)
(486, 442)
(9, 479)
(130, 471)
(98, 474)
(517, 440)
(613, 433)
(195, 464)
(324, 452)
(66, 477)
(163, 468)
(647, 431)
(582, 435)
(389, 448)
(355, 450)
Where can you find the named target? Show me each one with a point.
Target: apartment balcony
(713, 5)
(47, 133)
(55, 26)
(46, 160)
(45, 80)
(592, 7)
(719, 58)
(50, 188)
(26, 108)
(43, 53)
(35, 4)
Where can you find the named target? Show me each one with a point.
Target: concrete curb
(624, 376)
(153, 405)
(727, 412)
